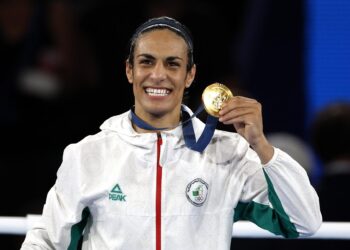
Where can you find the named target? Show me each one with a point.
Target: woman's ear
(128, 72)
(190, 76)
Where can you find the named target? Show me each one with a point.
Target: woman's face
(159, 74)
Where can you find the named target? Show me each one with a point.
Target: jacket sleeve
(65, 214)
(279, 197)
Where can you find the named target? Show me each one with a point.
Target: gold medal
(214, 96)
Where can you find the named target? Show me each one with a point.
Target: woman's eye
(173, 64)
(146, 62)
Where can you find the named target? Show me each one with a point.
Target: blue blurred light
(327, 53)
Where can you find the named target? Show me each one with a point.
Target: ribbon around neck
(187, 128)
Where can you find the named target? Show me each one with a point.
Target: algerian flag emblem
(197, 191)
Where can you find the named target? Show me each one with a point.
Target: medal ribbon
(187, 128)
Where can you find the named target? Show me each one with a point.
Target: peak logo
(116, 194)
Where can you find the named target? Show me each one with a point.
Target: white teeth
(157, 92)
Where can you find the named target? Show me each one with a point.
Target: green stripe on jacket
(273, 219)
(77, 230)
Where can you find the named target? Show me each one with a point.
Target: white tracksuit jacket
(122, 190)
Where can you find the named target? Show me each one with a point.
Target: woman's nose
(158, 72)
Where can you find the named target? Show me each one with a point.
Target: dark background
(76, 50)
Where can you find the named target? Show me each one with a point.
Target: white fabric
(118, 155)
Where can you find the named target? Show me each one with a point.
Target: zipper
(159, 196)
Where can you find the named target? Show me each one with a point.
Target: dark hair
(163, 22)
(330, 132)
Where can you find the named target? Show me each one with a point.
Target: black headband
(165, 22)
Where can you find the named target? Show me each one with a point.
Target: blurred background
(62, 74)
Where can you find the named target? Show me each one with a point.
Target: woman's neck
(169, 120)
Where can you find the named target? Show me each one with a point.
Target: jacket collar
(122, 125)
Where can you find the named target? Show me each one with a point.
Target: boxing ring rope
(241, 229)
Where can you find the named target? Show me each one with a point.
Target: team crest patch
(197, 191)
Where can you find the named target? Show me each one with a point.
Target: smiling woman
(135, 187)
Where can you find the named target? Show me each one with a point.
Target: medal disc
(214, 96)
